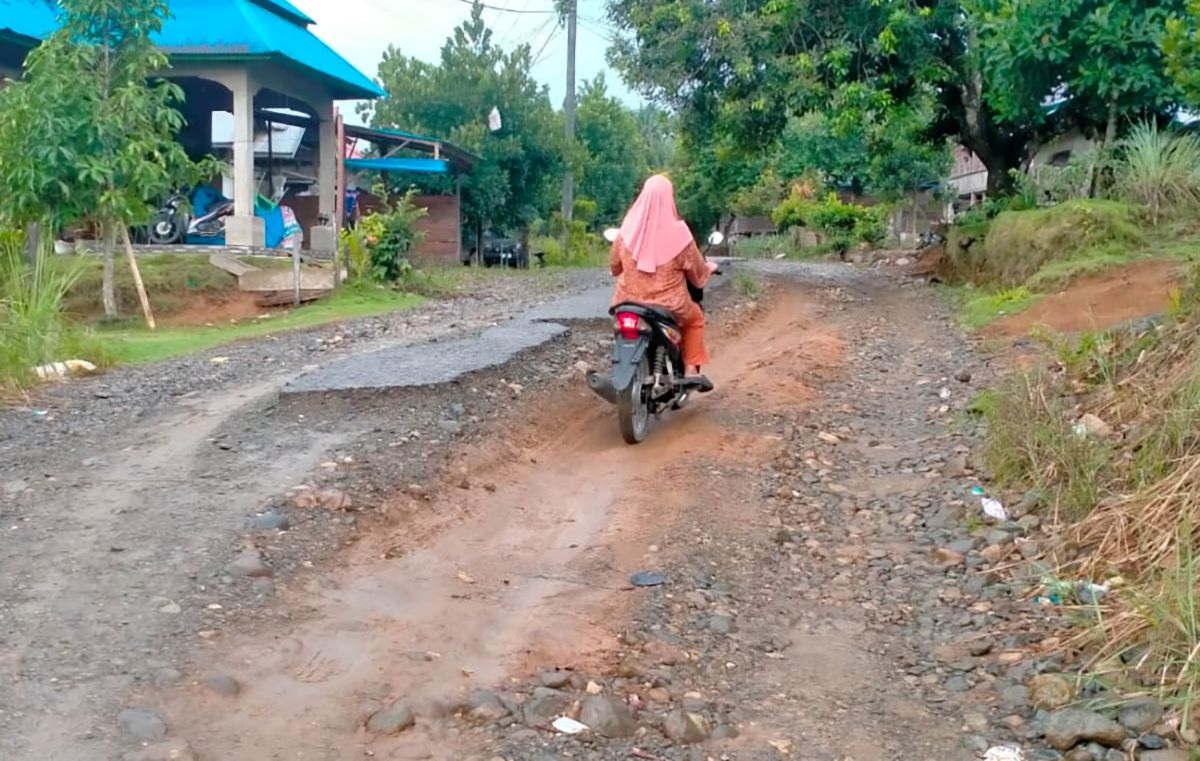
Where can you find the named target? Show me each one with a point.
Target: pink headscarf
(652, 230)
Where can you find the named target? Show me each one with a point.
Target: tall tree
(515, 181)
(616, 157)
(1100, 60)
(658, 135)
(89, 132)
(745, 69)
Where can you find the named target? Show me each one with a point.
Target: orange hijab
(652, 230)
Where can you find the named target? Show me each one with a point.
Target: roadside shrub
(1159, 169)
(841, 224)
(1009, 250)
(389, 236)
(33, 330)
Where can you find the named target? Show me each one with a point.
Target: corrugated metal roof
(283, 6)
(31, 19)
(260, 28)
(419, 166)
(226, 29)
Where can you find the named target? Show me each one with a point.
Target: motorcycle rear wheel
(633, 411)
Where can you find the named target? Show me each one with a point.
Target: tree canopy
(515, 181)
(871, 94)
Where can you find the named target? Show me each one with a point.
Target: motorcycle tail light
(629, 325)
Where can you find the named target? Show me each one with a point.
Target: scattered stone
(1140, 715)
(250, 564)
(270, 521)
(980, 648)
(545, 706)
(1050, 691)
(452, 427)
(1171, 754)
(686, 728)
(720, 624)
(948, 558)
(392, 720)
(963, 376)
(171, 750)
(662, 653)
(485, 707)
(607, 716)
(1094, 426)
(1152, 742)
(144, 725)
(223, 685)
(330, 499)
(554, 679)
(1067, 728)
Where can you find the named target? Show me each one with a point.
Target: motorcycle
(174, 223)
(928, 240)
(648, 374)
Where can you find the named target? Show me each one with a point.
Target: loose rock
(223, 685)
(1067, 728)
(392, 720)
(1050, 691)
(607, 716)
(142, 724)
(1141, 715)
(686, 728)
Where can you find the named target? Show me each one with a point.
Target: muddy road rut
(455, 574)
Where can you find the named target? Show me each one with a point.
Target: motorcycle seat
(658, 314)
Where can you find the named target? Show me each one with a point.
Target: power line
(507, 10)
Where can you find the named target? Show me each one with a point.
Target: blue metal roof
(30, 19)
(419, 166)
(261, 29)
(226, 29)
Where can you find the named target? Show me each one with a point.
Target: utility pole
(570, 9)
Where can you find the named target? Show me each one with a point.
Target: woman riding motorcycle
(654, 258)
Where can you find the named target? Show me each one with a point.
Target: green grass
(138, 345)
(168, 279)
(747, 285)
(772, 246)
(977, 307)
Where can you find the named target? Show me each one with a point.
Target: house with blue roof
(244, 57)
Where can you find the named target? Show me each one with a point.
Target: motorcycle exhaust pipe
(602, 385)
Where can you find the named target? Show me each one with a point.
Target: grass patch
(136, 345)
(1015, 247)
(786, 246)
(747, 285)
(169, 281)
(976, 309)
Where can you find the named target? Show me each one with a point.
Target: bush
(1159, 169)
(33, 330)
(842, 224)
(1011, 249)
(389, 236)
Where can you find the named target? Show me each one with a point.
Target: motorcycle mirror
(611, 234)
(716, 239)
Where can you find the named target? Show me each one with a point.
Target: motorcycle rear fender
(627, 355)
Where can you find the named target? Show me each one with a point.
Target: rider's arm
(614, 258)
(695, 268)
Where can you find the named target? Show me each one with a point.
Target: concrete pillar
(324, 236)
(244, 228)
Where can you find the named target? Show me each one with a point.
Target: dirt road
(461, 563)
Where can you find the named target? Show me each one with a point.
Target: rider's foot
(701, 383)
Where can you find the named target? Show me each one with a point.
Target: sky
(360, 30)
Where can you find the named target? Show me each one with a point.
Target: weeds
(747, 285)
(33, 330)
(1159, 169)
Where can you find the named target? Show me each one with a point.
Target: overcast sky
(362, 29)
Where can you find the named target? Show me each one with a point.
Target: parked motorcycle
(184, 219)
(648, 370)
(928, 240)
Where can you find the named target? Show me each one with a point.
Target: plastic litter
(992, 508)
(1090, 594)
(647, 579)
(569, 726)
(1004, 753)
(60, 370)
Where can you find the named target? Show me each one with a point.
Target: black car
(499, 250)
